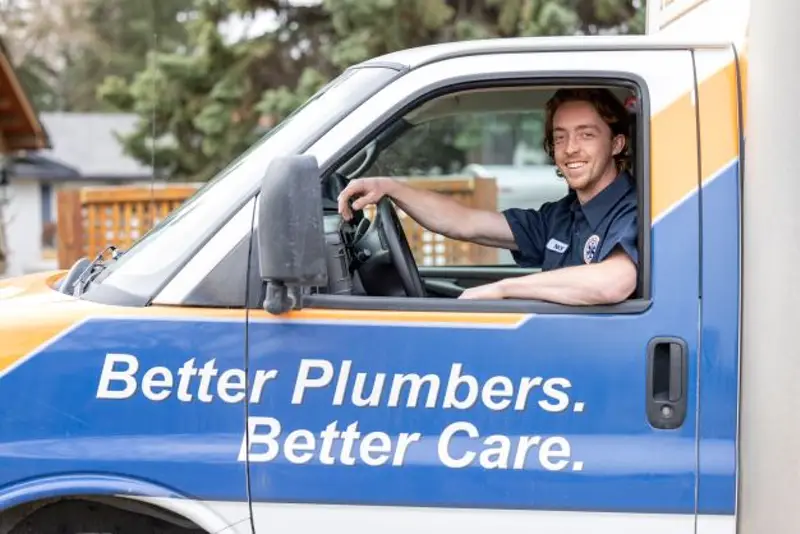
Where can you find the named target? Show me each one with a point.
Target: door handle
(667, 372)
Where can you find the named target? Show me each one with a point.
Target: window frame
(641, 157)
(333, 156)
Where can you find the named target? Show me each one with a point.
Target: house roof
(34, 166)
(86, 142)
(20, 128)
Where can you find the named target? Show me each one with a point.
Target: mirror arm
(278, 299)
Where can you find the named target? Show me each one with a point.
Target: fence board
(92, 218)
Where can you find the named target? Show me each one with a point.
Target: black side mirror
(291, 242)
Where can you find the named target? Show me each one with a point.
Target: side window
(484, 147)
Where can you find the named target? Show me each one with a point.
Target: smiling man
(585, 243)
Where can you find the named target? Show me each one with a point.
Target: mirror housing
(291, 241)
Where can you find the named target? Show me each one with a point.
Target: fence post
(70, 228)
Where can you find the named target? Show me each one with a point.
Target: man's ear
(618, 144)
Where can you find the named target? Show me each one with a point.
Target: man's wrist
(505, 287)
(389, 187)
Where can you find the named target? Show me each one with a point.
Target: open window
(483, 145)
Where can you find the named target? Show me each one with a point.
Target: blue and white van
(253, 364)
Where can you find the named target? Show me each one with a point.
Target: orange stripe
(673, 155)
(674, 139)
(719, 123)
(31, 331)
(399, 317)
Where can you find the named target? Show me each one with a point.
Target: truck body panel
(466, 417)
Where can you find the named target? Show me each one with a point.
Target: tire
(85, 517)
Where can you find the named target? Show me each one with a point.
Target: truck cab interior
(371, 255)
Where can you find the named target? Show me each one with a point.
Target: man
(585, 243)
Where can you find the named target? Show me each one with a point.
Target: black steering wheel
(386, 256)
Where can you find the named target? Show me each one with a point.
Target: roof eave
(22, 130)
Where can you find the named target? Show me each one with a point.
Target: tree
(63, 49)
(207, 103)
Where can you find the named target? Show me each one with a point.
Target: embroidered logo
(557, 246)
(590, 248)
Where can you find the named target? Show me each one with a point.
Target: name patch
(557, 246)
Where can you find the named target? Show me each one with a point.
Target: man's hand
(609, 282)
(369, 190)
(485, 292)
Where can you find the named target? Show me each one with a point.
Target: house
(84, 152)
(20, 131)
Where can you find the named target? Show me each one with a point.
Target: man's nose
(571, 146)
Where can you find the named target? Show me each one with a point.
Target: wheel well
(29, 517)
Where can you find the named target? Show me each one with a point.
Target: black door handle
(666, 382)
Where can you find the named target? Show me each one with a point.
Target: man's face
(583, 147)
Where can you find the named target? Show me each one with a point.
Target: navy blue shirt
(564, 233)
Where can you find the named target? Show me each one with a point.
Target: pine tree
(206, 104)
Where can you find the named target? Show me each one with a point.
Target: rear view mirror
(291, 243)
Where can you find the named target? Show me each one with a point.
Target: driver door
(440, 415)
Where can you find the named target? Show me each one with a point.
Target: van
(254, 364)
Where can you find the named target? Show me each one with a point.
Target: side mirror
(291, 242)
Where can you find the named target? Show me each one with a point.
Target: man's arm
(608, 282)
(433, 211)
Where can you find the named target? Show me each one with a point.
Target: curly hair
(611, 110)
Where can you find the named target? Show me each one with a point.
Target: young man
(585, 243)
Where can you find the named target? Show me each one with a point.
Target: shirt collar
(598, 207)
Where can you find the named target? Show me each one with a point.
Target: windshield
(142, 269)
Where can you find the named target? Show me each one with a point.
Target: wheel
(85, 517)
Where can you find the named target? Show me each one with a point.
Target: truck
(257, 364)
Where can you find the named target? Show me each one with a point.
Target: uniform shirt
(564, 233)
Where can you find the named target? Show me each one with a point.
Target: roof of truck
(416, 57)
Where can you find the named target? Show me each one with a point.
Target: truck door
(443, 415)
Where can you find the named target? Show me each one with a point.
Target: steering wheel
(386, 256)
(402, 257)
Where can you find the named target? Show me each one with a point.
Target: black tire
(86, 517)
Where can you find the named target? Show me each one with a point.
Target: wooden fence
(92, 218)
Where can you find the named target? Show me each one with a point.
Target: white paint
(347, 519)
(212, 253)
(22, 217)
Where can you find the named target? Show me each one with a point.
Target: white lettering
(455, 380)
(404, 441)
(291, 446)
(262, 443)
(348, 437)
(416, 382)
(525, 386)
(225, 385)
(341, 383)
(150, 381)
(444, 444)
(108, 374)
(208, 371)
(262, 377)
(497, 457)
(550, 389)
(496, 449)
(303, 380)
(186, 372)
(254, 438)
(488, 392)
(375, 395)
(383, 448)
(546, 452)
